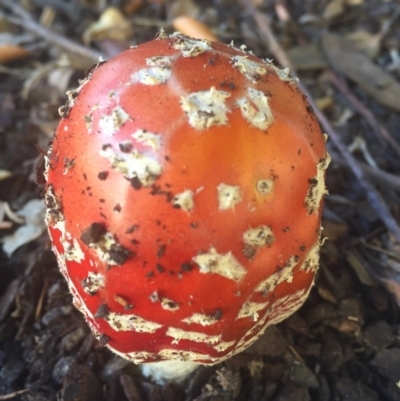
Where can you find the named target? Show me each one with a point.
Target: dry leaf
(48, 16)
(132, 6)
(4, 174)
(360, 270)
(327, 295)
(60, 78)
(361, 70)
(365, 42)
(307, 57)
(112, 25)
(324, 103)
(333, 9)
(10, 52)
(193, 28)
(311, 57)
(33, 213)
(348, 326)
(182, 7)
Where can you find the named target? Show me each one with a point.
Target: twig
(379, 129)
(25, 21)
(39, 305)
(373, 196)
(13, 394)
(382, 176)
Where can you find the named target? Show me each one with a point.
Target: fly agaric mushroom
(184, 190)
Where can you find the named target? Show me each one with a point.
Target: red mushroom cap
(184, 189)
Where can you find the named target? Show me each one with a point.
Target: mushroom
(183, 192)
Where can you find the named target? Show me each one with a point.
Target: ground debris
(344, 343)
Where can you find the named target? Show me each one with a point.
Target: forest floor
(344, 343)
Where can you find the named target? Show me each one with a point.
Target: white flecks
(78, 301)
(55, 219)
(286, 306)
(89, 122)
(47, 164)
(179, 334)
(200, 318)
(134, 356)
(93, 282)
(190, 47)
(206, 108)
(168, 304)
(53, 207)
(255, 109)
(160, 61)
(111, 123)
(68, 164)
(73, 94)
(184, 355)
(184, 200)
(72, 249)
(283, 74)
(228, 196)
(61, 262)
(131, 323)
(317, 187)
(133, 165)
(251, 69)
(151, 76)
(251, 208)
(281, 309)
(259, 236)
(154, 297)
(159, 71)
(223, 345)
(265, 187)
(148, 139)
(251, 309)
(225, 265)
(104, 247)
(311, 261)
(283, 274)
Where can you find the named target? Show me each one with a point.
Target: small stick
(382, 176)
(296, 354)
(27, 22)
(39, 305)
(13, 394)
(373, 196)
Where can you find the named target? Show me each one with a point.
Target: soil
(344, 343)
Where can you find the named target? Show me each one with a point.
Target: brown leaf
(311, 57)
(361, 70)
(308, 57)
(192, 27)
(10, 52)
